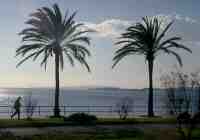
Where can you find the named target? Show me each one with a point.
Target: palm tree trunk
(57, 89)
(150, 100)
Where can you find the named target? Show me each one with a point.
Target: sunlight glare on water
(5, 96)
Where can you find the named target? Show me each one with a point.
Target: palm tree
(51, 35)
(148, 38)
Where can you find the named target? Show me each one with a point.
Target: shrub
(190, 124)
(81, 118)
(53, 117)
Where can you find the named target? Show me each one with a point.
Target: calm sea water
(86, 97)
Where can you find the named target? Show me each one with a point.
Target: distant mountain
(105, 88)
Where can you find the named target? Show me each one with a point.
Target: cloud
(112, 28)
(109, 28)
(185, 19)
(164, 19)
(178, 17)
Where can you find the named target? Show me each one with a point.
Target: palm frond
(164, 32)
(50, 14)
(180, 46)
(38, 54)
(178, 58)
(69, 57)
(71, 29)
(58, 14)
(118, 56)
(168, 41)
(70, 21)
(45, 59)
(80, 48)
(82, 39)
(26, 48)
(26, 58)
(82, 61)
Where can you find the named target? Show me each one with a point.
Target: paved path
(82, 129)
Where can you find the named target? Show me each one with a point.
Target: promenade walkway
(83, 129)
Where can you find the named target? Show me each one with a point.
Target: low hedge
(81, 118)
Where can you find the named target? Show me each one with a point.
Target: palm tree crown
(49, 34)
(148, 39)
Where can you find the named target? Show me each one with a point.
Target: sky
(109, 18)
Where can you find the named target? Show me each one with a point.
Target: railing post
(8, 106)
(39, 110)
(133, 109)
(88, 109)
(111, 110)
(8, 110)
(64, 111)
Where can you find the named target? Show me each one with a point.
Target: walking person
(17, 106)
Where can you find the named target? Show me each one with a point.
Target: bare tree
(184, 89)
(30, 105)
(195, 84)
(168, 82)
(190, 124)
(179, 87)
(124, 107)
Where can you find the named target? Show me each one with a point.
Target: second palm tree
(148, 39)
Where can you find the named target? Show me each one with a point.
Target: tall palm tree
(50, 34)
(148, 38)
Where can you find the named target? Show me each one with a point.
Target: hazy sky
(109, 18)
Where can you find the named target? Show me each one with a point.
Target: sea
(97, 101)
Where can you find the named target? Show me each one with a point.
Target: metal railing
(107, 111)
(101, 111)
(6, 110)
